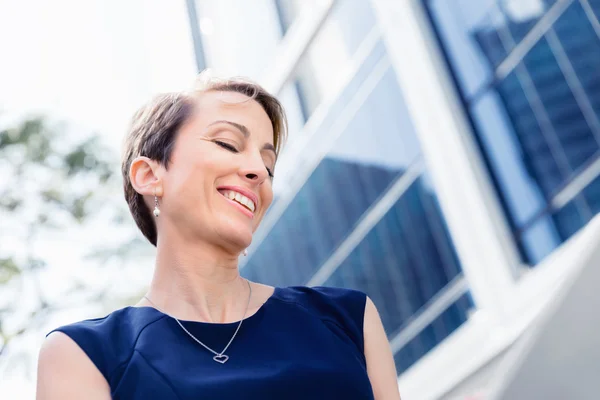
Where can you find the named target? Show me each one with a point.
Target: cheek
(189, 179)
(269, 198)
(266, 196)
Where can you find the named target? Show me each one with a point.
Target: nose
(254, 170)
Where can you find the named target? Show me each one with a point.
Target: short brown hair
(155, 125)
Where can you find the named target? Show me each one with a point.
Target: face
(219, 183)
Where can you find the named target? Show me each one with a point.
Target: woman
(197, 170)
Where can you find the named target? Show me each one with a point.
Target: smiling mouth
(239, 198)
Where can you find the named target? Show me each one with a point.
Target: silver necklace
(219, 357)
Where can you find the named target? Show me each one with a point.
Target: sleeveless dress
(303, 343)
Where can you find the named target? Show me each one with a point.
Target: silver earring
(245, 252)
(156, 209)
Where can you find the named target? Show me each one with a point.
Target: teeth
(240, 198)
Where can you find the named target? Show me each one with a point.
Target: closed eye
(231, 148)
(226, 146)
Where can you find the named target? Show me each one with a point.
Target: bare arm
(380, 361)
(65, 372)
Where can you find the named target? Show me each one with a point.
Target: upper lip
(248, 193)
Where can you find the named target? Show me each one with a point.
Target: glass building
(527, 72)
(443, 158)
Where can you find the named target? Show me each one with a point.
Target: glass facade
(365, 214)
(528, 75)
(355, 201)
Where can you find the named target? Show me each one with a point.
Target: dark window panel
(437, 331)
(405, 260)
(534, 127)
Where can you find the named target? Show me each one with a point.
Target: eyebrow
(245, 131)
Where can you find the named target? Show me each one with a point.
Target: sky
(92, 62)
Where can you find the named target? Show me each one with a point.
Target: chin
(236, 234)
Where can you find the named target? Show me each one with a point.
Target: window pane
(437, 331)
(320, 71)
(375, 147)
(553, 228)
(497, 135)
(478, 35)
(549, 124)
(516, 18)
(291, 10)
(405, 260)
(538, 126)
(576, 44)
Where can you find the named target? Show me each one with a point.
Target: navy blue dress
(303, 343)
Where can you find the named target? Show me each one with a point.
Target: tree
(54, 182)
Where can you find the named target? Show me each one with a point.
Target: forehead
(235, 107)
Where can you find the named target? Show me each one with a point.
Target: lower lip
(239, 207)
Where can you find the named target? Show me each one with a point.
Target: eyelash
(227, 146)
(231, 148)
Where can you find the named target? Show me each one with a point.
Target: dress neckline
(258, 312)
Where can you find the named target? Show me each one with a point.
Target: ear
(144, 175)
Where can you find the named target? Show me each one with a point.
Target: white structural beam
(476, 222)
(576, 186)
(443, 300)
(293, 46)
(526, 44)
(455, 362)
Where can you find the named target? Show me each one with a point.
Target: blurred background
(443, 157)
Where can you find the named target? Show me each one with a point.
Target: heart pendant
(221, 358)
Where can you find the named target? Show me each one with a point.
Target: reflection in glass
(291, 10)
(404, 261)
(434, 333)
(476, 34)
(332, 50)
(377, 145)
(403, 257)
(538, 122)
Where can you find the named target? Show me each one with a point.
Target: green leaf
(78, 208)
(38, 148)
(4, 139)
(52, 195)
(23, 133)
(42, 218)
(10, 203)
(75, 161)
(8, 269)
(83, 157)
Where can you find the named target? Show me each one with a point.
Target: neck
(198, 282)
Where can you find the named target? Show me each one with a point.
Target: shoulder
(344, 308)
(327, 293)
(325, 300)
(108, 341)
(65, 372)
(379, 357)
